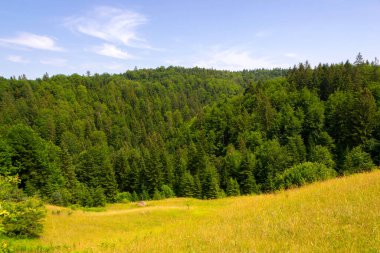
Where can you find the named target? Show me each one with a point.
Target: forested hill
(189, 132)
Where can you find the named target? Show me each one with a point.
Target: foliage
(167, 192)
(302, 174)
(174, 131)
(357, 160)
(19, 215)
(124, 197)
(233, 188)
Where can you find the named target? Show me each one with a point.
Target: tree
(95, 170)
(210, 184)
(233, 188)
(19, 215)
(351, 117)
(197, 191)
(357, 160)
(247, 181)
(167, 192)
(187, 185)
(359, 59)
(99, 199)
(321, 154)
(36, 160)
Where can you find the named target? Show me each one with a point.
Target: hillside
(339, 215)
(155, 133)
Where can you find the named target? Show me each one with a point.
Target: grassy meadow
(340, 215)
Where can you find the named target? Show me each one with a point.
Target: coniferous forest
(202, 133)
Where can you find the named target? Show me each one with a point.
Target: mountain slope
(339, 215)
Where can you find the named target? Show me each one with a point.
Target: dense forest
(156, 133)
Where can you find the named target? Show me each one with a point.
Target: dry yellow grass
(340, 215)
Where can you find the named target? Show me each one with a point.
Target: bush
(98, 197)
(144, 195)
(302, 174)
(135, 197)
(157, 195)
(23, 219)
(19, 215)
(321, 154)
(357, 161)
(5, 247)
(167, 192)
(123, 197)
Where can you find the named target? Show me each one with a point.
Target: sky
(112, 36)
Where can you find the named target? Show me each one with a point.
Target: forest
(188, 132)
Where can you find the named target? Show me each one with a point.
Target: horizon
(116, 36)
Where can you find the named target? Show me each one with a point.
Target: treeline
(187, 132)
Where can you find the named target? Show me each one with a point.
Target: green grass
(339, 215)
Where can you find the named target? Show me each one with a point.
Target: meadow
(339, 215)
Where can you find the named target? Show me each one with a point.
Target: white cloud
(233, 59)
(112, 51)
(112, 25)
(17, 59)
(56, 62)
(30, 40)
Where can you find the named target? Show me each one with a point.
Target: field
(340, 215)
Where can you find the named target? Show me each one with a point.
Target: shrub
(357, 161)
(167, 192)
(98, 197)
(157, 194)
(321, 154)
(302, 174)
(144, 195)
(23, 219)
(123, 197)
(135, 197)
(19, 215)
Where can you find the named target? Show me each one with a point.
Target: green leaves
(303, 173)
(19, 215)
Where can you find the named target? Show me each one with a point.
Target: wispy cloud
(232, 59)
(17, 59)
(112, 25)
(30, 40)
(112, 51)
(56, 62)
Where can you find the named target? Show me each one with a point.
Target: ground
(339, 215)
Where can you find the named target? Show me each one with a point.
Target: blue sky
(73, 36)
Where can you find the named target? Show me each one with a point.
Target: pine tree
(99, 199)
(187, 185)
(210, 184)
(197, 188)
(157, 194)
(246, 180)
(233, 188)
(135, 197)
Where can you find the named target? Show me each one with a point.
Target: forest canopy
(155, 133)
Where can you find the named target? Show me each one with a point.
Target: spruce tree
(187, 185)
(233, 188)
(210, 185)
(197, 188)
(246, 179)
